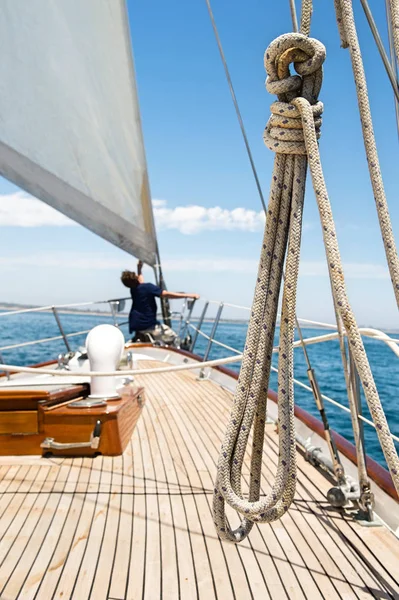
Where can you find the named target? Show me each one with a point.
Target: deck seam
(197, 509)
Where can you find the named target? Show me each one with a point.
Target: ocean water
(325, 359)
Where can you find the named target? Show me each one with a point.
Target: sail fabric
(70, 129)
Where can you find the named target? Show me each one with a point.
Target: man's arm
(139, 269)
(166, 294)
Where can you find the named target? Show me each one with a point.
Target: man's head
(130, 279)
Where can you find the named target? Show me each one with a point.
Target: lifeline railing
(117, 305)
(374, 334)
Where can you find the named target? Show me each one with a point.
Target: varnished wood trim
(21, 421)
(27, 399)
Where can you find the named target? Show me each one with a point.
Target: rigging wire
(237, 108)
(348, 32)
(377, 38)
(294, 16)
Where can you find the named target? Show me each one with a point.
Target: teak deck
(140, 525)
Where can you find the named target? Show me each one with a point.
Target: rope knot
(283, 133)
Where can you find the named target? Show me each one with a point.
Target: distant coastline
(8, 306)
(14, 306)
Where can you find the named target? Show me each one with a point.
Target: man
(143, 314)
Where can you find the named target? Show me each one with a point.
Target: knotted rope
(294, 144)
(282, 234)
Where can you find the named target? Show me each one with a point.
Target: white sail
(70, 130)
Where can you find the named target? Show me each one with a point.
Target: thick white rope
(349, 38)
(306, 16)
(283, 224)
(374, 334)
(339, 292)
(125, 372)
(394, 14)
(285, 136)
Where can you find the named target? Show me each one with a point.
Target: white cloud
(159, 203)
(194, 219)
(22, 210)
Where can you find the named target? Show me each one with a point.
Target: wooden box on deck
(27, 417)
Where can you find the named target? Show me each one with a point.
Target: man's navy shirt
(143, 314)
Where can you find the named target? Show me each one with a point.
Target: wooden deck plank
(302, 575)
(337, 579)
(37, 555)
(216, 571)
(138, 551)
(106, 474)
(16, 541)
(328, 522)
(140, 525)
(84, 475)
(138, 480)
(95, 539)
(168, 534)
(53, 571)
(63, 474)
(71, 565)
(106, 558)
(17, 478)
(117, 473)
(341, 585)
(7, 476)
(238, 575)
(153, 572)
(94, 466)
(13, 521)
(120, 571)
(52, 474)
(170, 579)
(128, 470)
(196, 441)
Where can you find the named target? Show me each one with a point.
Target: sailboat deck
(140, 525)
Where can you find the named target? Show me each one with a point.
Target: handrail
(368, 332)
(51, 306)
(365, 331)
(43, 340)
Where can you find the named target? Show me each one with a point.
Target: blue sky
(196, 157)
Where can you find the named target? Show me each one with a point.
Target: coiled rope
(283, 228)
(292, 132)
